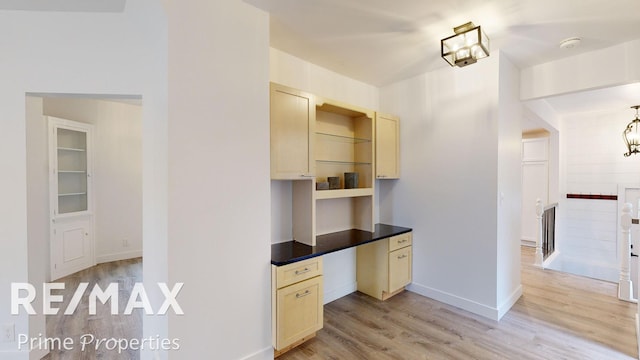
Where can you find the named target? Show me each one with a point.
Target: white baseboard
(453, 300)
(528, 242)
(118, 256)
(550, 259)
(337, 293)
(264, 354)
(511, 300)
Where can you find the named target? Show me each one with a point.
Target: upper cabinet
(292, 133)
(70, 163)
(387, 146)
(331, 148)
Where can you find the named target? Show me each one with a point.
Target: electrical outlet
(8, 333)
(125, 243)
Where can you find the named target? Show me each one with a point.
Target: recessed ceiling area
(64, 5)
(380, 41)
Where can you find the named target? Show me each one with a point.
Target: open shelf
(343, 138)
(70, 149)
(343, 193)
(338, 162)
(72, 171)
(73, 194)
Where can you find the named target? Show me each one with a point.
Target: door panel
(71, 248)
(535, 184)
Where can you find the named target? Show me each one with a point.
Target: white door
(535, 185)
(70, 193)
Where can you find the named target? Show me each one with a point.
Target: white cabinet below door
(71, 246)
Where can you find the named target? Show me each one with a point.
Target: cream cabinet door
(387, 147)
(399, 269)
(292, 133)
(299, 311)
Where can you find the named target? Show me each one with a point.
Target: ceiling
(381, 41)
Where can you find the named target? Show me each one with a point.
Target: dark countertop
(293, 251)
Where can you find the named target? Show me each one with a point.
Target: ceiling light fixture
(631, 136)
(464, 48)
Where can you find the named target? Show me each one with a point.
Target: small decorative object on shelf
(334, 182)
(350, 180)
(322, 185)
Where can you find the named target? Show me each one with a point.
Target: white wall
(611, 66)
(57, 52)
(37, 206)
(340, 269)
(452, 174)
(117, 171)
(510, 113)
(591, 149)
(219, 205)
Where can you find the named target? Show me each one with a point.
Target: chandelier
(631, 136)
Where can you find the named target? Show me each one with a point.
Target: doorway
(111, 207)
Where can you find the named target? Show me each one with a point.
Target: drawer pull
(305, 293)
(300, 272)
(402, 256)
(402, 241)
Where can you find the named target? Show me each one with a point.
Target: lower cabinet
(383, 268)
(297, 303)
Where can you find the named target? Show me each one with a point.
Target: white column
(625, 287)
(539, 212)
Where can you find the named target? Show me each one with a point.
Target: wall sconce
(631, 136)
(464, 48)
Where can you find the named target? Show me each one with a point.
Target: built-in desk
(383, 269)
(293, 251)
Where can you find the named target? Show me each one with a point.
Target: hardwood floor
(559, 316)
(103, 325)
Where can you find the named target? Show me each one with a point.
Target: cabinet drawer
(299, 311)
(399, 268)
(400, 241)
(298, 271)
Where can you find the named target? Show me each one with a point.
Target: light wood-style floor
(559, 316)
(103, 325)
